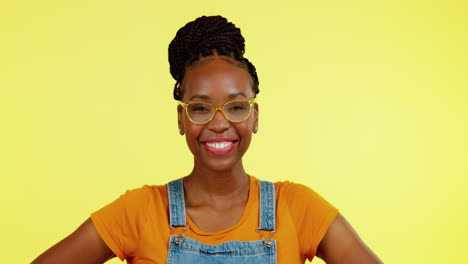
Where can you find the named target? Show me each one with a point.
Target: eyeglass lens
(235, 111)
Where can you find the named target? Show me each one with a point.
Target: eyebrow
(199, 96)
(206, 97)
(235, 95)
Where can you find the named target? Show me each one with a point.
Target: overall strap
(175, 194)
(267, 206)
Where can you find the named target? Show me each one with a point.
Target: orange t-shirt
(136, 226)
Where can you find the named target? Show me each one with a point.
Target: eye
(199, 108)
(236, 107)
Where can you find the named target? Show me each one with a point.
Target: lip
(217, 151)
(219, 140)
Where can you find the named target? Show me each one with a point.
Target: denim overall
(187, 250)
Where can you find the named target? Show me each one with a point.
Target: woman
(218, 213)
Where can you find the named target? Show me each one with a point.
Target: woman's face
(220, 144)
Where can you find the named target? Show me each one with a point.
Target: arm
(341, 244)
(84, 246)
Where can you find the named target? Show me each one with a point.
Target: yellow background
(364, 101)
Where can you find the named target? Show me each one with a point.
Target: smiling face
(218, 145)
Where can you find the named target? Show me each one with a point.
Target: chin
(220, 165)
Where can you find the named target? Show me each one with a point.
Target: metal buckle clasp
(179, 237)
(268, 238)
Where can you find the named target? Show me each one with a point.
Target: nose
(219, 123)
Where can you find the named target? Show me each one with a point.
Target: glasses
(235, 111)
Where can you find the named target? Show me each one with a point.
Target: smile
(220, 147)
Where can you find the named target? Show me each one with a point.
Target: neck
(217, 184)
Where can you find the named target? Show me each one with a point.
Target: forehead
(216, 80)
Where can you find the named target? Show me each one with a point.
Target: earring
(255, 129)
(181, 132)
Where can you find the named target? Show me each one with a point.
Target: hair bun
(200, 38)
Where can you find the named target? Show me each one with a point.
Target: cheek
(192, 133)
(245, 132)
(244, 129)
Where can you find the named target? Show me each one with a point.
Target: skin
(216, 191)
(217, 188)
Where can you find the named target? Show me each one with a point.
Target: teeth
(219, 145)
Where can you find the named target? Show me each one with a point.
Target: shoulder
(310, 213)
(145, 193)
(134, 201)
(122, 222)
(299, 194)
(301, 200)
(288, 187)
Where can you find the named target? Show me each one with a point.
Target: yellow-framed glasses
(236, 111)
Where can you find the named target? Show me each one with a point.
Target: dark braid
(204, 37)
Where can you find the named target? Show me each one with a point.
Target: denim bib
(187, 250)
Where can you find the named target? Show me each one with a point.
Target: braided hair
(206, 36)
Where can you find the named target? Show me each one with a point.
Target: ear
(255, 114)
(180, 123)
